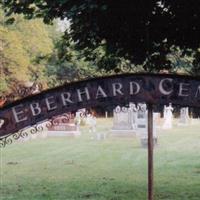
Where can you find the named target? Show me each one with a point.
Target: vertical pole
(150, 152)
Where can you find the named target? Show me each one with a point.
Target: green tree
(14, 59)
(67, 64)
(143, 32)
(21, 45)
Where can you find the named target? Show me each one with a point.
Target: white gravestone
(184, 116)
(134, 111)
(141, 120)
(168, 117)
(122, 121)
(91, 122)
(79, 116)
(142, 125)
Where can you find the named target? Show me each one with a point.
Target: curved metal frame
(83, 94)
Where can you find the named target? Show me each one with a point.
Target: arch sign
(105, 91)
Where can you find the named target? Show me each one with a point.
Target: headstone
(142, 125)
(81, 113)
(164, 112)
(134, 112)
(158, 120)
(80, 117)
(168, 117)
(106, 114)
(91, 122)
(142, 120)
(184, 116)
(122, 122)
(64, 125)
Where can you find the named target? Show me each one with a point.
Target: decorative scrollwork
(5, 141)
(49, 124)
(19, 134)
(124, 109)
(142, 107)
(119, 109)
(38, 128)
(33, 130)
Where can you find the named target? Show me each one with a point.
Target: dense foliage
(66, 64)
(105, 37)
(20, 45)
(34, 53)
(144, 32)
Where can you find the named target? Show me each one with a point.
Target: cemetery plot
(133, 121)
(83, 168)
(127, 121)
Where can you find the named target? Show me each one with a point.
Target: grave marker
(122, 122)
(168, 117)
(63, 125)
(184, 116)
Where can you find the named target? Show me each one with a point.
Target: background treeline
(21, 45)
(33, 52)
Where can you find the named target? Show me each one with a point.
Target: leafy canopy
(20, 46)
(144, 32)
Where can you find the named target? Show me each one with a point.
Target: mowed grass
(111, 169)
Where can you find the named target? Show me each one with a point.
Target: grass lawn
(111, 169)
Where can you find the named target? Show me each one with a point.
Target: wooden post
(150, 152)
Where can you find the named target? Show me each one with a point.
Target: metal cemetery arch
(105, 91)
